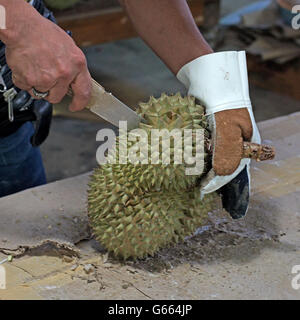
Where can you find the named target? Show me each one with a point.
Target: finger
(82, 88)
(19, 83)
(43, 90)
(34, 96)
(42, 84)
(58, 92)
(228, 144)
(245, 123)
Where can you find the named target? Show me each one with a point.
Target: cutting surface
(248, 259)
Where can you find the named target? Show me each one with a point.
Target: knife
(108, 107)
(111, 109)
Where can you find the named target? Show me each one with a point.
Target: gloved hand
(220, 82)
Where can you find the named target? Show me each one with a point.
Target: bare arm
(43, 56)
(169, 29)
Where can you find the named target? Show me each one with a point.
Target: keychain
(9, 96)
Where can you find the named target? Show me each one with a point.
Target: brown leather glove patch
(232, 128)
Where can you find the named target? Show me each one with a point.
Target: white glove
(220, 82)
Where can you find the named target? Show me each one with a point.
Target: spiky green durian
(61, 4)
(137, 209)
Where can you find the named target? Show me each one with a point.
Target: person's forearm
(18, 13)
(169, 29)
(43, 57)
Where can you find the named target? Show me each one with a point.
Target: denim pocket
(21, 165)
(15, 148)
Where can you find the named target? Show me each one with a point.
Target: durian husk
(137, 209)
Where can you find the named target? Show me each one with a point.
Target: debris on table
(265, 32)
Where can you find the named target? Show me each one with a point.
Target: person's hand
(43, 56)
(220, 82)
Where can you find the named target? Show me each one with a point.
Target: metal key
(9, 96)
(3, 87)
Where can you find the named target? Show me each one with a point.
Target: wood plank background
(94, 26)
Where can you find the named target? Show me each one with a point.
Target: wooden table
(97, 23)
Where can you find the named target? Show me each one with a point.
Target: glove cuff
(218, 80)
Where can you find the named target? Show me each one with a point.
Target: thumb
(232, 127)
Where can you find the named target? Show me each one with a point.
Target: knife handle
(251, 150)
(97, 91)
(258, 152)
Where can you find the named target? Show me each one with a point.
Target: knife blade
(109, 108)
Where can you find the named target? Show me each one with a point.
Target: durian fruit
(61, 4)
(137, 209)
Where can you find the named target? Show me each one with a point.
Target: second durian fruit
(137, 209)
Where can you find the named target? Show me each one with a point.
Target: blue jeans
(21, 165)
